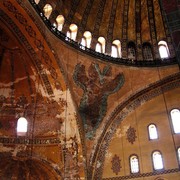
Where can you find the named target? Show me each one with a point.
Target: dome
(138, 25)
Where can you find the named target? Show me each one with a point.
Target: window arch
(60, 22)
(152, 130)
(157, 160)
(147, 51)
(86, 40)
(47, 10)
(116, 49)
(134, 164)
(131, 51)
(163, 49)
(73, 31)
(100, 46)
(22, 126)
(175, 117)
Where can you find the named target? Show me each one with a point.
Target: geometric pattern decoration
(131, 135)
(116, 164)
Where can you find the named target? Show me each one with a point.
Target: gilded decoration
(97, 86)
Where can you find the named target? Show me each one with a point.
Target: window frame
(147, 51)
(163, 43)
(131, 164)
(149, 132)
(154, 163)
(131, 45)
(21, 132)
(172, 120)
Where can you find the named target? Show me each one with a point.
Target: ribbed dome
(123, 24)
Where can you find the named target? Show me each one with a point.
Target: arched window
(134, 163)
(100, 46)
(73, 31)
(157, 160)
(60, 22)
(131, 51)
(86, 40)
(178, 153)
(147, 51)
(152, 131)
(47, 10)
(22, 126)
(116, 49)
(163, 49)
(175, 117)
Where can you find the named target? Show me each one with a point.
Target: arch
(157, 160)
(147, 51)
(131, 48)
(175, 117)
(100, 46)
(22, 124)
(87, 37)
(152, 131)
(134, 163)
(163, 49)
(60, 22)
(116, 49)
(73, 31)
(47, 10)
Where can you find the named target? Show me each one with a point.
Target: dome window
(87, 39)
(131, 51)
(147, 51)
(100, 46)
(47, 10)
(73, 31)
(163, 49)
(116, 49)
(60, 22)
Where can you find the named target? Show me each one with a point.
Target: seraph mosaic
(97, 86)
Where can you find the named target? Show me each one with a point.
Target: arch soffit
(34, 42)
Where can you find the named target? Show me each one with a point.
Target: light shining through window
(152, 131)
(22, 126)
(157, 160)
(175, 116)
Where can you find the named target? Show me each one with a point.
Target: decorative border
(121, 112)
(144, 174)
(28, 141)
